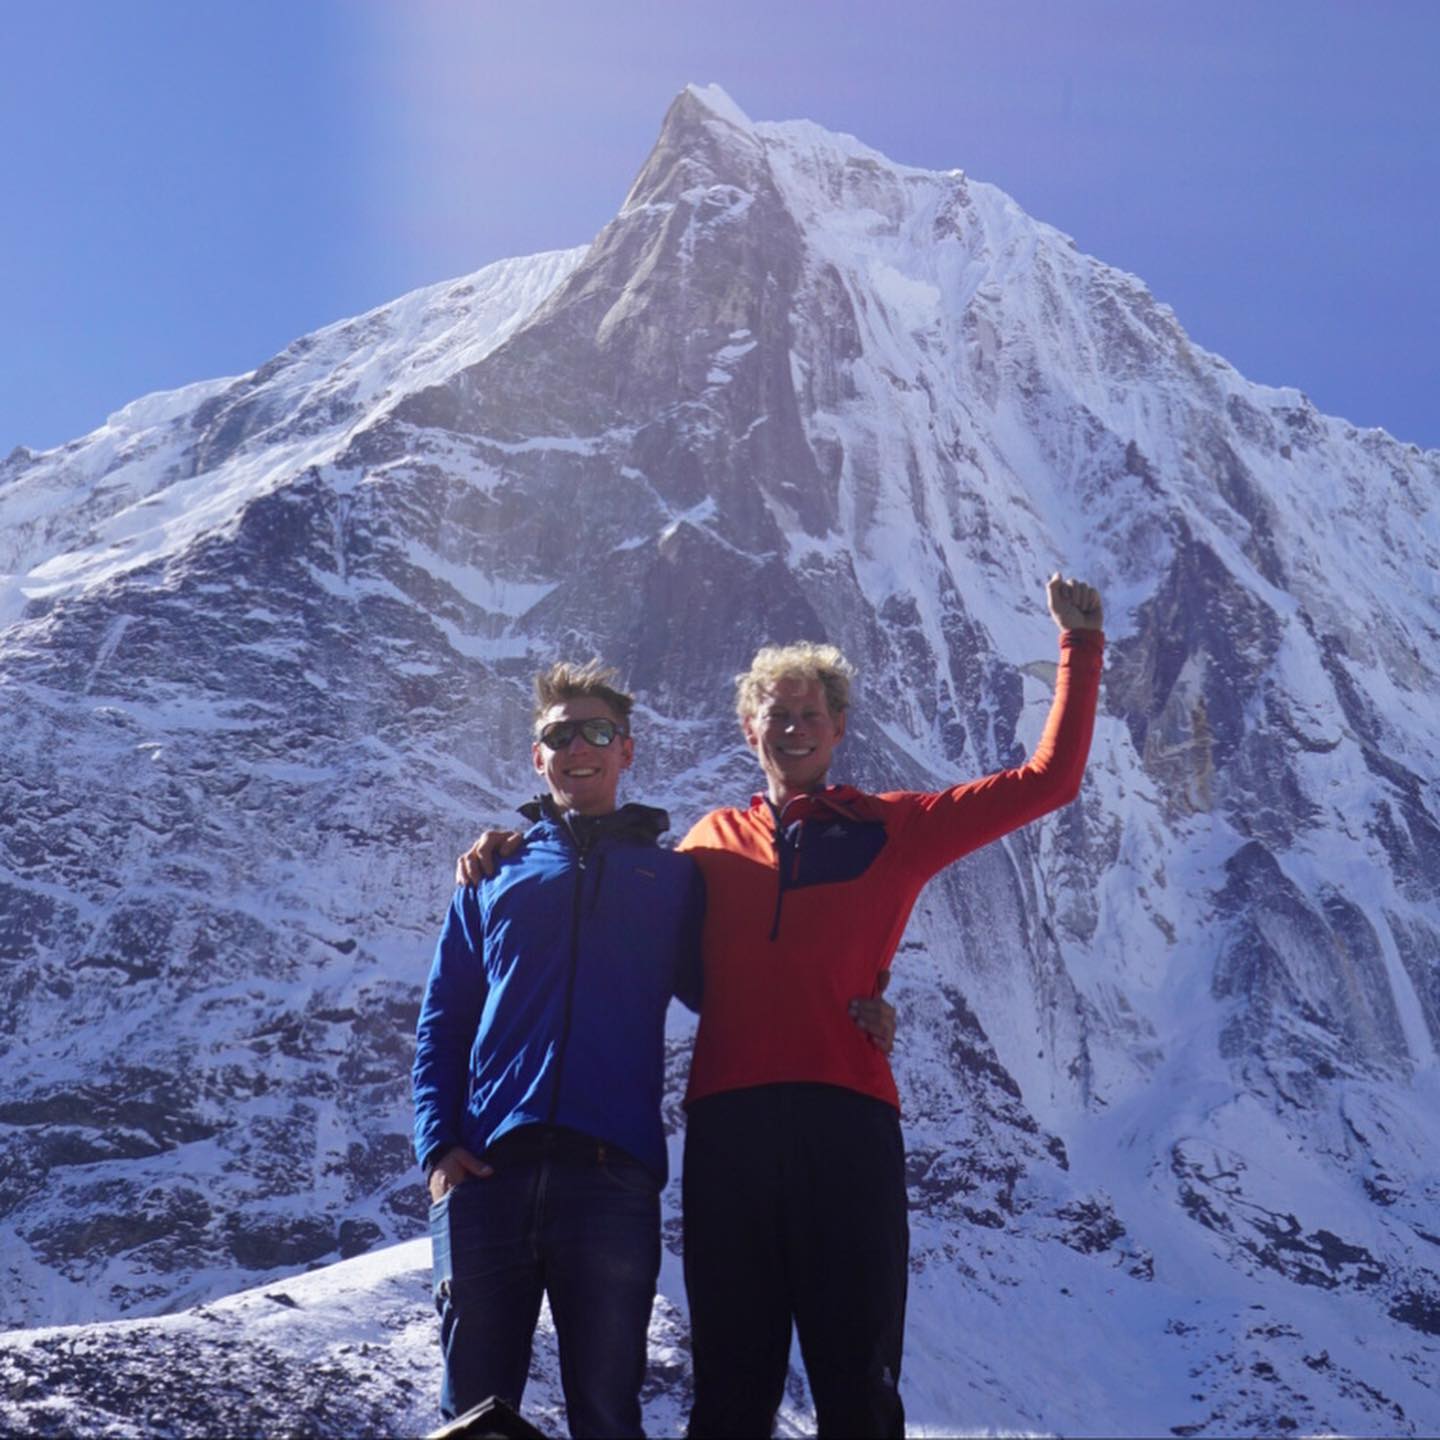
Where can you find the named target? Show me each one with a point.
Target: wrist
(436, 1156)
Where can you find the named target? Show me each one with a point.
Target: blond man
(794, 1177)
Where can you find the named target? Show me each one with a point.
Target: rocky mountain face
(1167, 1057)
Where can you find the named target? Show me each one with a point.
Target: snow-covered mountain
(1167, 1058)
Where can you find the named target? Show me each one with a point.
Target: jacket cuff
(436, 1155)
(1082, 639)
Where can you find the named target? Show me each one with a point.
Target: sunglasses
(558, 734)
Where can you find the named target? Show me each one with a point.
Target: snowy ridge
(138, 491)
(1167, 1058)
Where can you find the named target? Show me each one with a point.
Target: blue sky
(190, 184)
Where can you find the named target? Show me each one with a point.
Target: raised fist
(1075, 605)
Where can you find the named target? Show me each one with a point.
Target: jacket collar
(642, 824)
(832, 800)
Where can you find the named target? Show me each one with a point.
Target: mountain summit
(1167, 1058)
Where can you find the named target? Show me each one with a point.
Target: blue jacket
(546, 1001)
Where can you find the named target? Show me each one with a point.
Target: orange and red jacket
(804, 908)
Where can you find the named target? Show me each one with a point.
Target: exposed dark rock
(1173, 681)
(1091, 1226)
(260, 1242)
(1420, 1309)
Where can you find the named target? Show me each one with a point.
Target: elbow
(1069, 792)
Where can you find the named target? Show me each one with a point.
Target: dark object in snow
(491, 1419)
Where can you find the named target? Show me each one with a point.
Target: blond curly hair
(804, 661)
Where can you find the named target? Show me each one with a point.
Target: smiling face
(793, 735)
(583, 777)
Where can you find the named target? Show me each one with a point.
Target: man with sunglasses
(539, 1066)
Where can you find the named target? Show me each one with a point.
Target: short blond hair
(567, 681)
(805, 661)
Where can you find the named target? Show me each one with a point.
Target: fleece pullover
(807, 906)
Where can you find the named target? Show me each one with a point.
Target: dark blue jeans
(582, 1228)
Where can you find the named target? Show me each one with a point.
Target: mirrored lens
(596, 732)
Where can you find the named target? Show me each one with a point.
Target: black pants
(795, 1211)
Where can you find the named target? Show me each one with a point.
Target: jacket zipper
(581, 851)
(780, 862)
